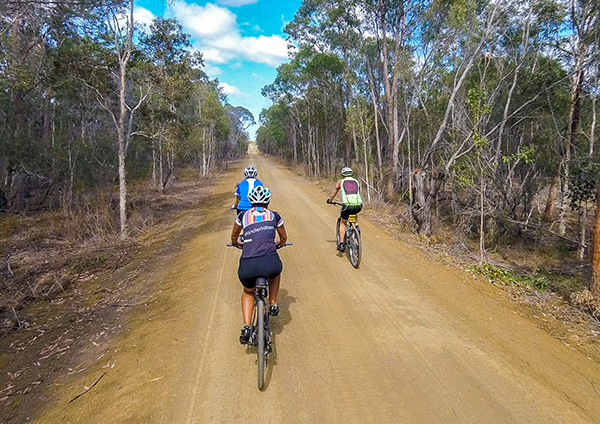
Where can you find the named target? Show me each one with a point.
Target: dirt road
(400, 340)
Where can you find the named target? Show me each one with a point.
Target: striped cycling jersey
(242, 189)
(260, 225)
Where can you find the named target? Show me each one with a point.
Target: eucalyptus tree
(330, 27)
(240, 121)
(581, 53)
(173, 70)
(116, 26)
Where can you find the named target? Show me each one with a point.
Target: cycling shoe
(274, 310)
(245, 335)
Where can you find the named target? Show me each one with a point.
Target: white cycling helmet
(347, 171)
(260, 195)
(250, 172)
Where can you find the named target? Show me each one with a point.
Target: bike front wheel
(354, 247)
(261, 345)
(337, 232)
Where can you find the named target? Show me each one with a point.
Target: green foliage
(527, 155)
(539, 280)
(583, 181)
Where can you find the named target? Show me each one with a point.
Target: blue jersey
(242, 190)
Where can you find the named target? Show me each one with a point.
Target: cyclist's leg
(272, 267)
(248, 280)
(274, 289)
(247, 305)
(344, 214)
(343, 224)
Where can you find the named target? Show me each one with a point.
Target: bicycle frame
(261, 333)
(352, 242)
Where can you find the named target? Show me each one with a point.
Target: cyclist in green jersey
(350, 198)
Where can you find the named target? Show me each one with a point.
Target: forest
(478, 115)
(90, 99)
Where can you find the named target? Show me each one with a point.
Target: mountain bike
(352, 243)
(260, 337)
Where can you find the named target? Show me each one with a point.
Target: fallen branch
(127, 305)
(89, 388)
(18, 320)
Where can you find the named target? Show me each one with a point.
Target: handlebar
(288, 243)
(334, 203)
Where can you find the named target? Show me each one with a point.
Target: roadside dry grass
(44, 254)
(68, 284)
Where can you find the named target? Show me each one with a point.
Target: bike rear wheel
(354, 247)
(261, 346)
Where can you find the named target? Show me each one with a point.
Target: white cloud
(212, 71)
(208, 21)
(231, 90)
(236, 3)
(142, 16)
(215, 55)
(269, 50)
(216, 33)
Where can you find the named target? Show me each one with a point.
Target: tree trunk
(426, 186)
(123, 138)
(582, 232)
(160, 162)
(122, 153)
(366, 149)
(378, 142)
(551, 201)
(482, 255)
(595, 286)
(153, 164)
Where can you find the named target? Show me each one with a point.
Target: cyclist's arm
(334, 194)
(237, 200)
(235, 233)
(282, 235)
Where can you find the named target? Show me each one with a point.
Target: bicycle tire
(355, 247)
(337, 232)
(261, 348)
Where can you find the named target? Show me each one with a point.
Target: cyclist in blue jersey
(350, 198)
(259, 253)
(244, 187)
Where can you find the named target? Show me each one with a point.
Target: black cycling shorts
(348, 210)
(250, 269)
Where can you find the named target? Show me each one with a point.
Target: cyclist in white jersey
(350, 198)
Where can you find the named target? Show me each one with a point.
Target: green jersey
(350, 192)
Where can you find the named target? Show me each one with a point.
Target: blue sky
(242, 41)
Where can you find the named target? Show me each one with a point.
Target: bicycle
(352, 240)
(260, 337)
